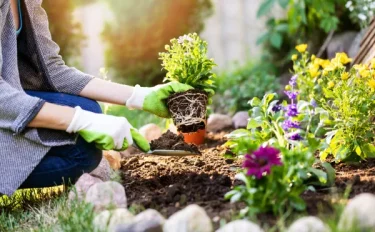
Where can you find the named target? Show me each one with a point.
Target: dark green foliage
(235, 88)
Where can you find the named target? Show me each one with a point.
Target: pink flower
(261, 161)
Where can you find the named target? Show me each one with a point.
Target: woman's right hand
(106, 131)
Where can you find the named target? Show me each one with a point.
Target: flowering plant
(186, 62)
(346, 101)
(274, 179)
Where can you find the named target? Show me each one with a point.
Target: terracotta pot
(196, 138)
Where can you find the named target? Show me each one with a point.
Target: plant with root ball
(186, 61)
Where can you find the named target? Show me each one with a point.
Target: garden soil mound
(171, 141)
(168, 184)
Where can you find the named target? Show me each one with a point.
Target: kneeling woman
(51, 127)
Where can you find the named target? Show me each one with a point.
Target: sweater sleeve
(17, 108)
(64, 79)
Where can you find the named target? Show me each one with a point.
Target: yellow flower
(333, 65)
(372, 62)
(343, 58)
(371, 83)
(294, 57)
(314, 72)
(288, 87)
(331, 84)
(344, 76)
(301, 48)
(324, 63)
(364, 72)
(313, 57)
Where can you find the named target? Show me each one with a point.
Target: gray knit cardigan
(29, 62)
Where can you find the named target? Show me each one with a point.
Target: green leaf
(298, 203)
(321, 176)
(368, 150)
(252, 124)
(331, 173)
(265, 7)
(276, 40)
(255, 102)
(358, 150)
(262, 38)
(283, 27)
(283, 3)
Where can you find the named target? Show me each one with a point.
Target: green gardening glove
(106, 131)
(153, 99)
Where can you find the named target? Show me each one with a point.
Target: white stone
(240, 119)
(218, 122)
(240, 225)
(359, 214)
(147, 221)
(150, 131)
(191, 219)
(113, 158)
(103, 171)
(308, 224)
(107, 195)
(109, 220)
(82, 186)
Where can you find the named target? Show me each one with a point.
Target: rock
(150, 131)
(103, 171)
(125, 154)
(191, 219)
(82, 186)
(240, 225)
(355, 46)
(341, 43)
(308, 224)
(359, 214)
(107, 195)
(147, 221)
(109, 220)
(113, 158)
(218, 122)
(240, 119)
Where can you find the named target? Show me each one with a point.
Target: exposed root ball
(188, 110)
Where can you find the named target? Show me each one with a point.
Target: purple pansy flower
(293, 81)
(288, 124)
(277, 108)
(291, 110)
(295, 137)
(291, 95)
(261, 161)
(313, 103)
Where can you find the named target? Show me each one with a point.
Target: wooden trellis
(367, 46)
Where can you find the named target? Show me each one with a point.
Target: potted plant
(186, 61)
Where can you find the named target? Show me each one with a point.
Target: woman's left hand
(153, 99)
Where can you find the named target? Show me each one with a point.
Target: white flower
(348, 4)
(182, 39)
(362, 17)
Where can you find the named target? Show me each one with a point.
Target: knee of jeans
(94, 159)
(90, 105)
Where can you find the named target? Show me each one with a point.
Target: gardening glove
(106, 131)
(153, 99)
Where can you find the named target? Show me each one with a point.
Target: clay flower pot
(188, 110)
(196, 138)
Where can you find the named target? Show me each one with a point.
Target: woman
(50, 124)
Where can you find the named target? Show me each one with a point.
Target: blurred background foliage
(134, 40)
(140, 30)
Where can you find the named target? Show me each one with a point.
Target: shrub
(236, 87)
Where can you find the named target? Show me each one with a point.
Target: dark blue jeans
(65, 164)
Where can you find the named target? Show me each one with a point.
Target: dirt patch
(188, 110)
(171, 141)
(168, 184)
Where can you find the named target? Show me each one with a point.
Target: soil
(168, 184)
(188, 110)
(171, 141)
